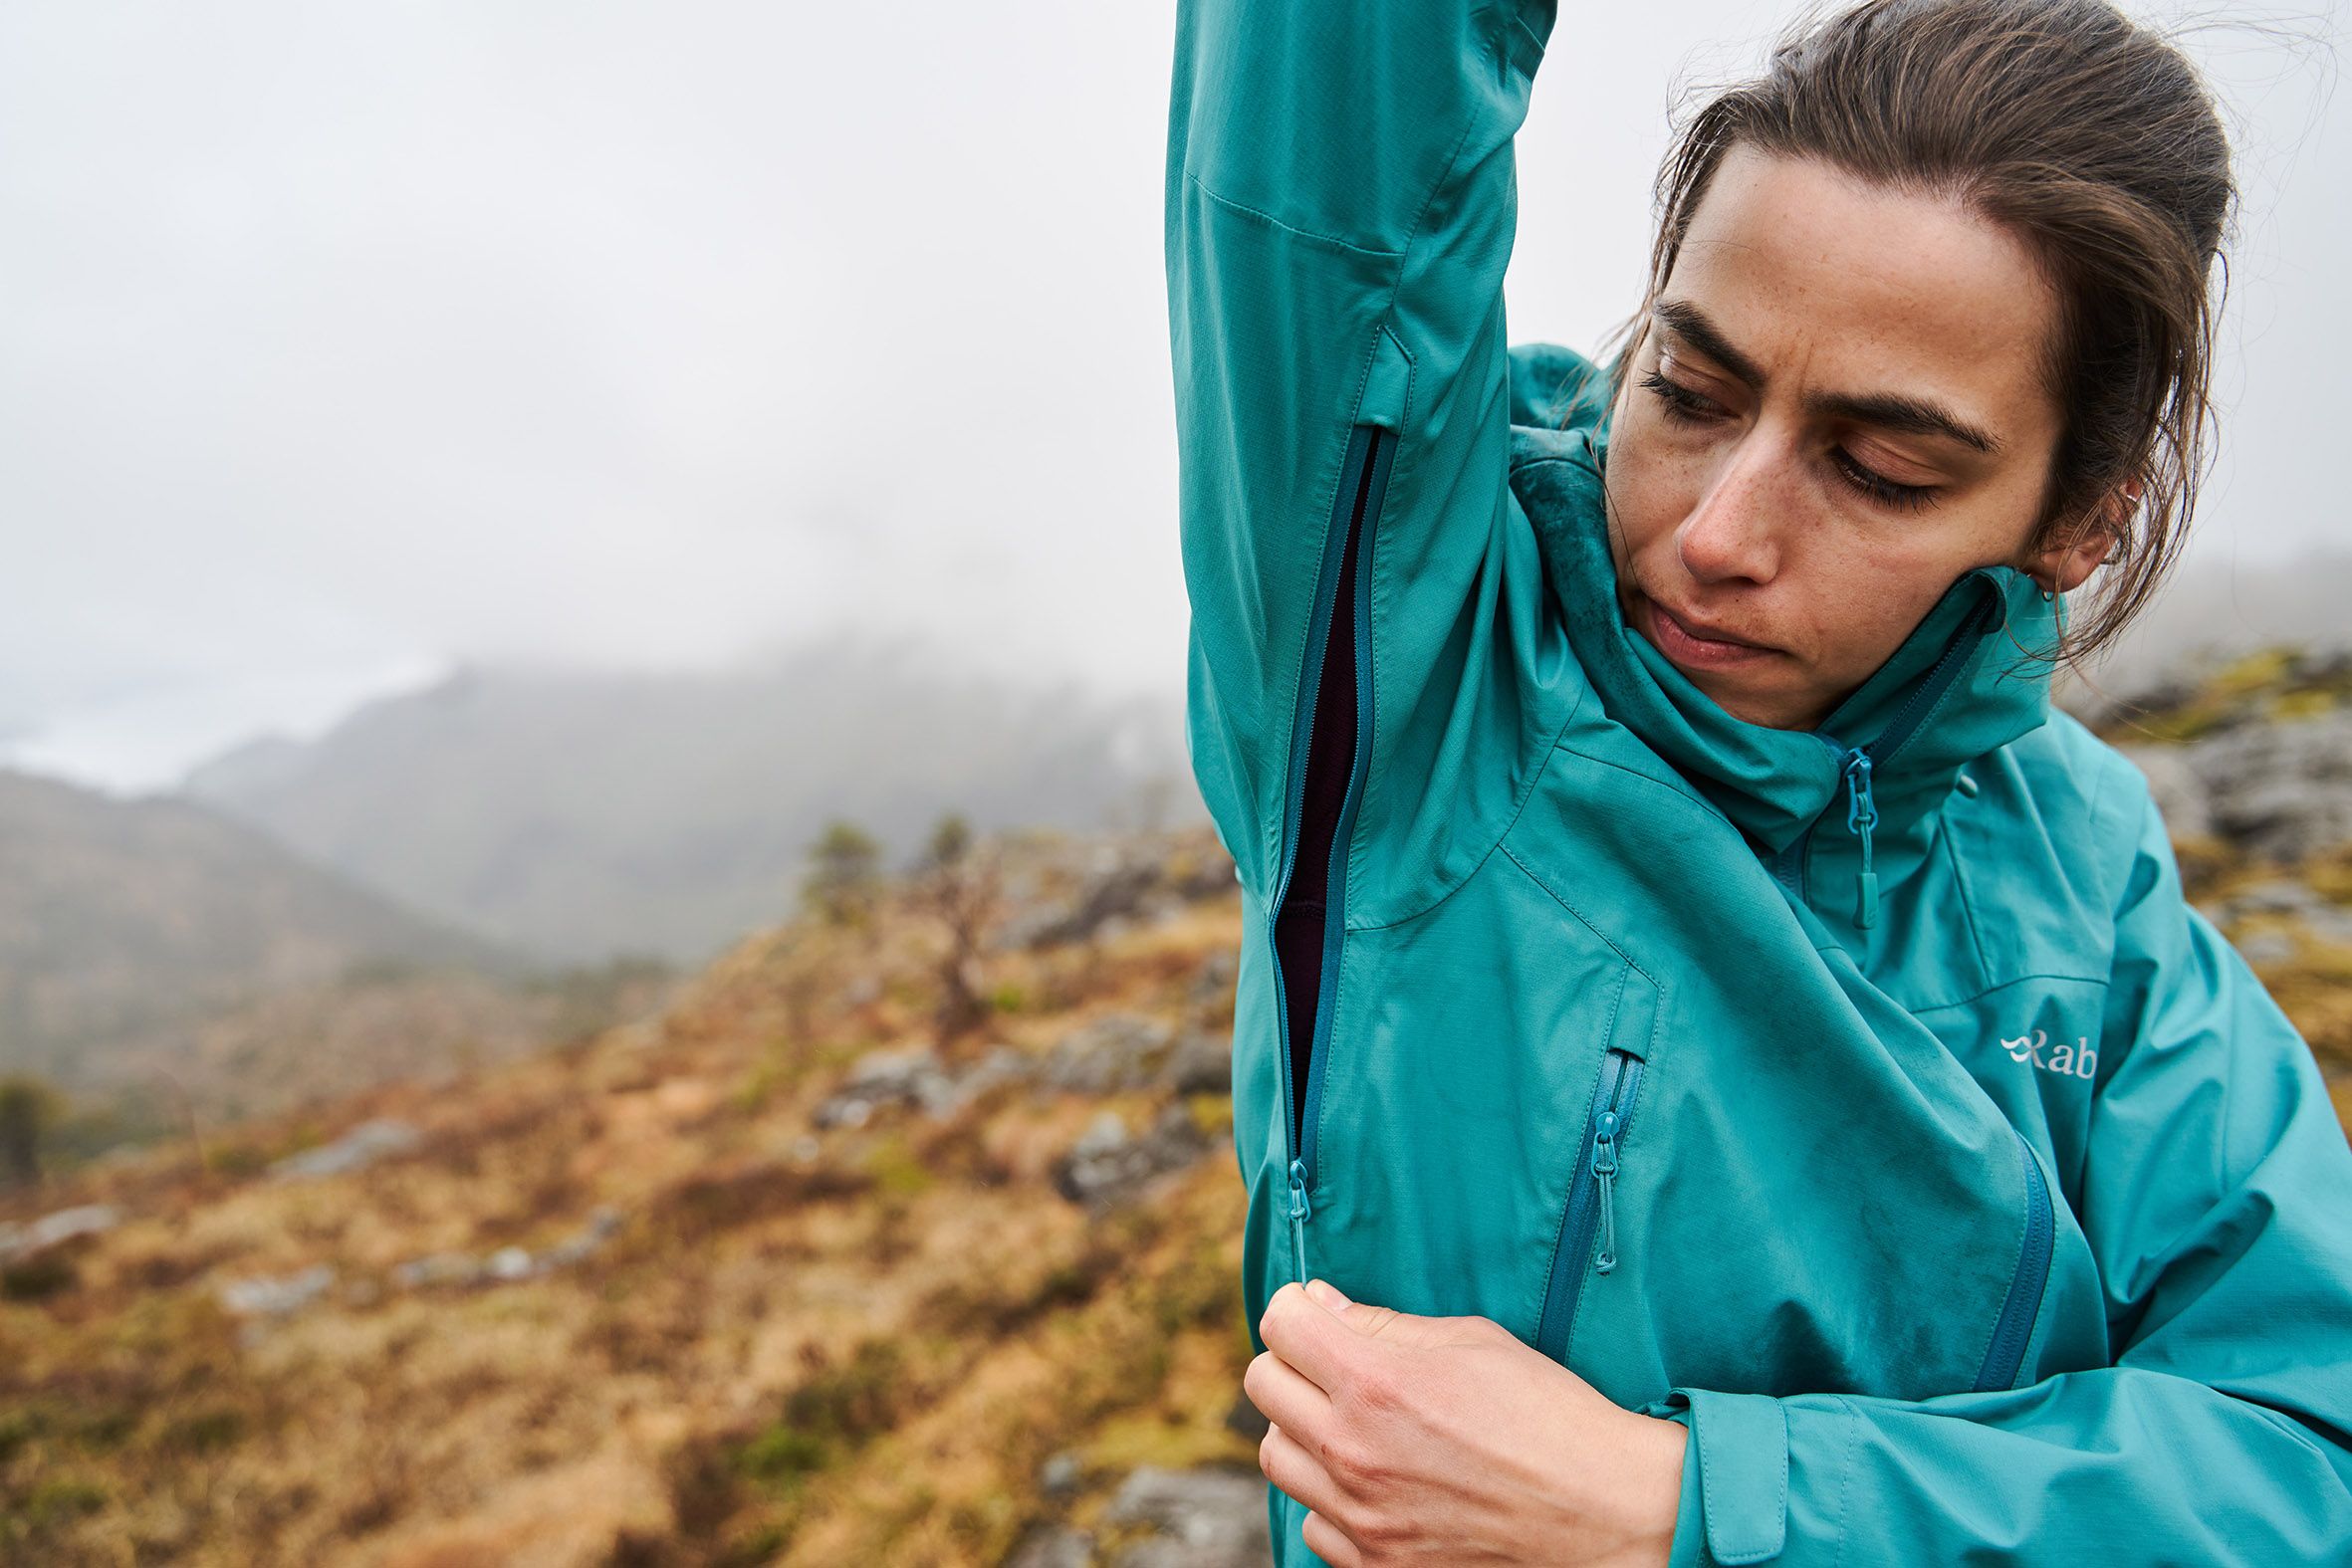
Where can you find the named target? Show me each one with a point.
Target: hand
(1448, 1439)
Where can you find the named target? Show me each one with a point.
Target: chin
(1773, 710)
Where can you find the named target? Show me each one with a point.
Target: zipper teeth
(1371, 488)
(1581, 1214)
(1356, 475)
(2023, 1302)
(1899, 729)
(1897, 734)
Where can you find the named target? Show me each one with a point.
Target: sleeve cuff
(1735, 1479)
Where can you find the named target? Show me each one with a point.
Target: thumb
(1367, 1319)
(1403, 1328)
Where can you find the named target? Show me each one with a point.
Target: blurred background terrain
(607, 953)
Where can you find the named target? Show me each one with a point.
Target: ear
(2068, 564)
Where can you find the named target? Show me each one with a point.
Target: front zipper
(1362, 482)
(1593, 1199)
(2015, 1325)
(1855, 764)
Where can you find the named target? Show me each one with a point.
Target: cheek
(1651, 487)
(1865, 599)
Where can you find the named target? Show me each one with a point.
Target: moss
(60, 1499)
(39, 1278)
(203, 1433)
(896, 1168)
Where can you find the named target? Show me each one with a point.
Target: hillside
(722, 1286)
(771, 1276)
(579, 816)
(154, 947)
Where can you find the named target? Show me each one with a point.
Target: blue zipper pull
(1299, 1214)
(1604, 1169)
(1861, 817)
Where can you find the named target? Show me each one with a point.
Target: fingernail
(1327, 1293)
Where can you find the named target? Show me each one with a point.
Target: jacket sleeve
(1339, 208)
(2218, 1200)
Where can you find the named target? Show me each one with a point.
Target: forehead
(1831, 283)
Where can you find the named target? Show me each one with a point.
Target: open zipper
(1355, 508)
(1592, 1200)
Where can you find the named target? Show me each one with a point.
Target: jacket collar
(1961, 685)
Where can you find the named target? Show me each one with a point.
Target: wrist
(1654, 1500)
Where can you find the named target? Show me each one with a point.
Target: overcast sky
(342, 341)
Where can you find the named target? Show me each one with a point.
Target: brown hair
(2093, 139)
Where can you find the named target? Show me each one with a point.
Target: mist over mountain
(581, 815)
(126, 922)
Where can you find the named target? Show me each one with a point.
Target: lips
(1703, 631)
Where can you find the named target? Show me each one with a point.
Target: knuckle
(1352, 1464)
(1374, 1390)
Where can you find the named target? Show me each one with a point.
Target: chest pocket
(1590, 1238)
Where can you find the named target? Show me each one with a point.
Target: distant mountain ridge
(580, 816)
(122, 920)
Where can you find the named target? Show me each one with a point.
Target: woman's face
(1835, 409)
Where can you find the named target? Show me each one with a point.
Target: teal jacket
(1868, 1099)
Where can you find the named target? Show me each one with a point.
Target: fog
(342, 343)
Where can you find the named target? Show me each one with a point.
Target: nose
(1733, 534)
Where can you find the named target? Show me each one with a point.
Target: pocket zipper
(1593, 1201)
(2015, 1328)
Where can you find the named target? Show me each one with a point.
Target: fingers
(1327, 1541)
(1283, 1396)
(1310, 1336)
(1301, 1476)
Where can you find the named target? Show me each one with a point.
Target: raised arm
(1339, 208)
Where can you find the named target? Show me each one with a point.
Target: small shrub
(203, 1433)
(39, 1278)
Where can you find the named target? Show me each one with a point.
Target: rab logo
(2077, 1060)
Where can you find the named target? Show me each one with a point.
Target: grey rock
(603, 1221)
(1118, 1050)
(2180, 794)
(275, 1295)
(2265, 947)
(59, 1225)
(437, 1268)
(1212, 986)
(1114, 891)
(1209, 1517)
(355, 1150)
(2330, 924)
(1108, 1166)
(1059, 1476)
(1201, 1063)
(915, 1075)
(2283, 791)
(878, 1079)
(1052, 1546)
(510, 1263)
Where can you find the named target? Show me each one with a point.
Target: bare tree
(959, 883)
(841, 884)
(28, 1108)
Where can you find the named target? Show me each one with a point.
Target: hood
(1962, 684)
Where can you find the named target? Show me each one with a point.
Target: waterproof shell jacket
(1867, 1099)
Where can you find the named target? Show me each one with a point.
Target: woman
(1748, 1058)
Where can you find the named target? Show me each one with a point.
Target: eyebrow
(1887, 410)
